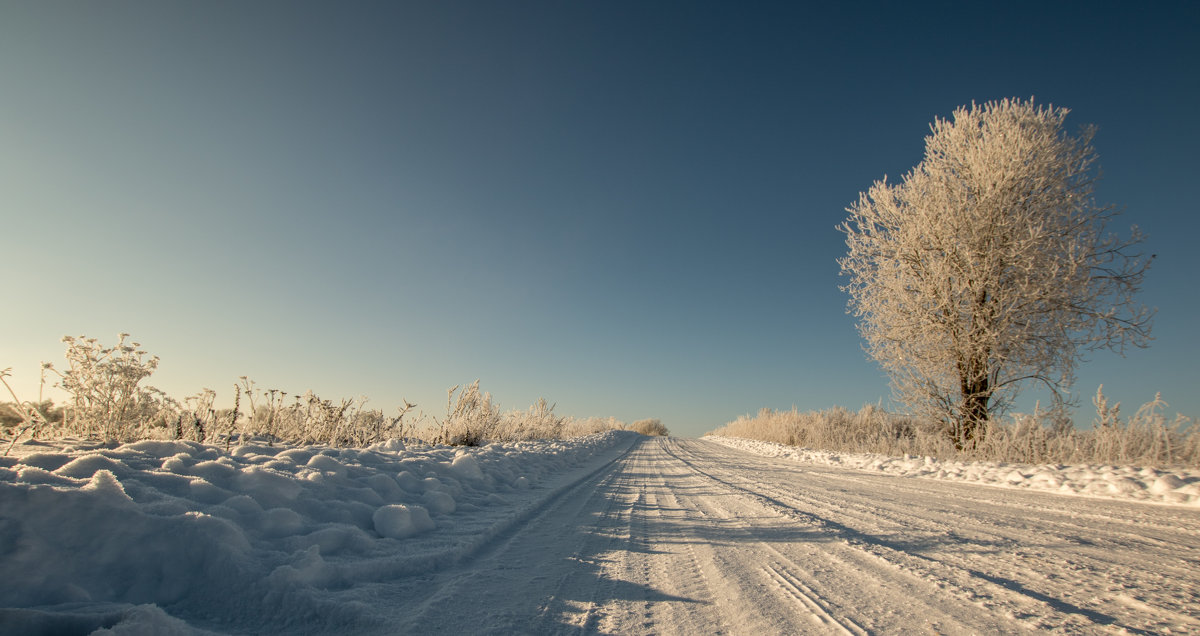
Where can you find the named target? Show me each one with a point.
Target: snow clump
(398, 521)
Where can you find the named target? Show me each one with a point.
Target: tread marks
(847, 550)
(483, 574)
(680, 570)
(812, 602)
(677, 537)
(1049, 569)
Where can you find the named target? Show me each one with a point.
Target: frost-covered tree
(990, 266)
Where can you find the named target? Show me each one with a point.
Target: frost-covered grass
(108, 400)
(1147, 438)
(473, 419)
(259, 539)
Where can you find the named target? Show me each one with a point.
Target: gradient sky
(626, 207)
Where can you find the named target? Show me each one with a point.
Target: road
(682, 536)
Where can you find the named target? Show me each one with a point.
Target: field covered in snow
(1172, 486)
(146, 535)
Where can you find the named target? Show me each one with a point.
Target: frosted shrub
(470, 420)
(473, 419)
(1147, 437)
(538, 422)
(649, 427)
(871, 429)
(197, 419)
(107, 398)
(578, 427)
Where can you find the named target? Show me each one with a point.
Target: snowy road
(687, 536)
(611, 533)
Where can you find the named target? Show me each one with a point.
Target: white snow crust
(172, 537)
(1173, 486)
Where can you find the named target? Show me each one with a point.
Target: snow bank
(1118, 482)
(168, 537)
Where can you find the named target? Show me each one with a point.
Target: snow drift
(173, 536)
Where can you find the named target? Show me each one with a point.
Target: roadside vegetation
(108, 399)
(1146, 438)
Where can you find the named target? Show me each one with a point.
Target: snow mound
(174, 537)
(398, 521)
(1116, 482)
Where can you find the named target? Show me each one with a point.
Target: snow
(612, 533)
(397, 521)
(1173, 486)
(169, 537)
(691, 537)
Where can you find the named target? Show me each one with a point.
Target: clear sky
(626, 207)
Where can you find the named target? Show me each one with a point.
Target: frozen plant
(30, 416)
(107, 398)
(471, 420)
(651, 427)
(538, 422)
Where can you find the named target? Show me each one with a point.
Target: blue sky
(628, 208)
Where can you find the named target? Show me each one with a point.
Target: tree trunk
(976, 394)
(975, 415)
(973, 375)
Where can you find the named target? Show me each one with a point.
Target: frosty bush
(473, 418)
(870, 429)
(578, 427)
(538, 422)
(470, 420)
(107, 398)
(649, 427)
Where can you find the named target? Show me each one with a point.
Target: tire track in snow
(878, 594)
(486, 578)
(685, 537)
(671, 561)
(1004, 598)
(673, 596)
(554, 610)
(1091, 561)
(1028, 573)
(812, 602)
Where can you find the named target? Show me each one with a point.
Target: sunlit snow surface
(175, 537)
(166, 537)
(1171, 486)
